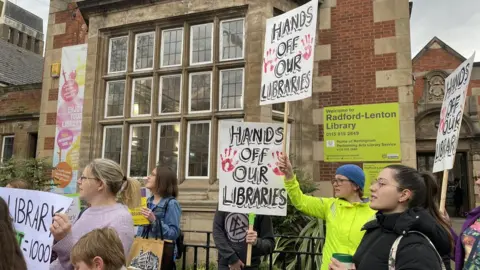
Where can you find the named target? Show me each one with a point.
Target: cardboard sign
(32, 213)
(250, 180)
(138, 218)
(451, 115)
(287, 70)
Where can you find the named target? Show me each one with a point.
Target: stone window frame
(104, 138)
(185, 68)
(4, 138)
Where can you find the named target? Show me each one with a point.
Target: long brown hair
(166, 182)
(12, 256)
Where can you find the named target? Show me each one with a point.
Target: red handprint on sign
(307, 47)
(443, 115)
(227, 160)
(269, 61)
(275, 169)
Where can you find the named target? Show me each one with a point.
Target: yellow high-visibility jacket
(344, 220)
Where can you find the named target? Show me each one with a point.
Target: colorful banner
(371, 171)
(32, 213)
(368, 132)
(69, 119)
(250, 180)
(451, 115)
(287, 70)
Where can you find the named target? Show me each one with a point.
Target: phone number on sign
(349, 133)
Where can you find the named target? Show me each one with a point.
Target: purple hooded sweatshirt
(459, 251)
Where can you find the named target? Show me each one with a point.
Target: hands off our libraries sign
(288, 57)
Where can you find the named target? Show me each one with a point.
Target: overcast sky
(456, 22)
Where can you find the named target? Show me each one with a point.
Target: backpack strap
(393, 251)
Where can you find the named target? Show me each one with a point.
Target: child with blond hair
(100, 249)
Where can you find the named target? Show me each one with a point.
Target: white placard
(249, 178)
(32, 213)
(287, 68)
(451, 115)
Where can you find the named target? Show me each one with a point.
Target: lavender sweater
(115, 216)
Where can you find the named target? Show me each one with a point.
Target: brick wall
(354, 62)
(20, 100)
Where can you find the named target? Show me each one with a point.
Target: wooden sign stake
(251, 221)
(285, 129)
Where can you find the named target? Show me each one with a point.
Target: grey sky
(456, 22)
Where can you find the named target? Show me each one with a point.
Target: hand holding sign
(285, 167)
(60, 227)
(276, 156)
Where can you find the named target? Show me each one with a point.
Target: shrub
(37, 172)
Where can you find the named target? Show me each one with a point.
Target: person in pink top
(109, 193)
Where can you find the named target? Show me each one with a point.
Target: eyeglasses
(339, 181)
(381, 183)
(83, 178)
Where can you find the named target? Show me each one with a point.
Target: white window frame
(135, 51)
(162, 45)
(179, 142)
(3, 145)
(160, 94)
(275, 111)
(110, 55)
(130, 149)
(221, 41)
(187, 153)
(191, 46)
(106, 99)
(221, 90)
(190, 91)
(104, 138)
(133, 97)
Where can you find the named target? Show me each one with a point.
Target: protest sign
(287, 71)
(250, 180)
(74, 210)
(369, 132)
(451, 115)
(32, 213)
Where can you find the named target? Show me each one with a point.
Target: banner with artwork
(32, 213)
(69, 119)
(451, 115)
(287, 69)
(250, 180)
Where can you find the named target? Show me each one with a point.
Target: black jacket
(414, 251)
(229, 234)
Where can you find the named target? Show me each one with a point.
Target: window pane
(279, 107)
(168, 145)
(199, 146)
(232, 39)
(172, 47)
(115, 98)
(144, 50)
(139, 144)
(170, 94)
(201, 43)
(7, 148)
(142, 96)
(118, 54)
(231, 89)
(200, 87)
(112, 148)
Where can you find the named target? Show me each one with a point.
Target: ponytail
(130, 193)
(431, 203)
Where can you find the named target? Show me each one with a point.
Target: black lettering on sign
(28, 213)
(292, 24)
(254, 197)
(246, 136)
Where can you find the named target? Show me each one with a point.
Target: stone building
(205, 56)
(20, 27)
(430, 67)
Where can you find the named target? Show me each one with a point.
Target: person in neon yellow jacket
(345, 214)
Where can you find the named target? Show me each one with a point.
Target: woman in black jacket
(405, 200)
